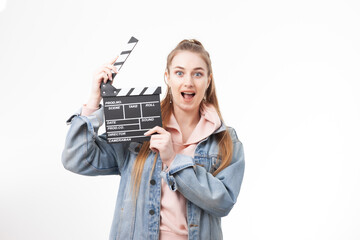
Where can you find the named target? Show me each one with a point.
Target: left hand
(162, 143)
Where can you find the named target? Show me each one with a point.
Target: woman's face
(188, 80)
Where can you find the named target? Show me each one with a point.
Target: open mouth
(188, 95)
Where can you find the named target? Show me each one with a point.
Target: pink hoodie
(173, 223)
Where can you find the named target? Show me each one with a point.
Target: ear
(209, 80)
(166, 76)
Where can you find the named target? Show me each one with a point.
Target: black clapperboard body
(131, 112)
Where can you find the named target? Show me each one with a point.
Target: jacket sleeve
(214, 194)
(85, 152)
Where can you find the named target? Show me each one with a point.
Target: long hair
(223, 138)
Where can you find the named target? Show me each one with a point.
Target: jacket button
(152, 182)
(137, 149)
(152, 212)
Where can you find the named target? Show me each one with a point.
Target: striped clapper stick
(125, 54)
(130, 112)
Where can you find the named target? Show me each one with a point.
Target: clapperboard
(130, 112)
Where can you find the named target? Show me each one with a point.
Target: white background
(287, 77)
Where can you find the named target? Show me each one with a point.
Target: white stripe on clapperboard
(137, 91)
(111, 105)
(130, 119)
(130, 46)
(122, 125)
(143, 129)
(150, 90)
(112, 138)
(123, 92)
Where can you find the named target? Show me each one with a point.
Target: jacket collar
(221, 128)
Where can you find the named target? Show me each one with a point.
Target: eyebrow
(198, 68)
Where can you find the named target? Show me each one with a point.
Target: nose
(188, 81)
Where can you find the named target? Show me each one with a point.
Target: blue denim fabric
(208, 198)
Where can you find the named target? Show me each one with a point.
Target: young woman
(179, 184)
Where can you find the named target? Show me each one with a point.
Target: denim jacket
(208, 198)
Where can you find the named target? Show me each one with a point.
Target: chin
(188, 108)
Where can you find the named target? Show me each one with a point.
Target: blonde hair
(223, 138)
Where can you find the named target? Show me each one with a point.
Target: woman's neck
(187, 121)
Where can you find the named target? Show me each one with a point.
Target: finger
(155, 129)
(105, 77)
(112, 67)
(156, 136)
(153, 148)
(108, 72)
(114, 60)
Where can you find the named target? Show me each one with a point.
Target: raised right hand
(103, 74)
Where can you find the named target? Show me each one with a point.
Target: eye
(198, 74)
(179, 73)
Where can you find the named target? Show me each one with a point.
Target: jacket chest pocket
(209, 162)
